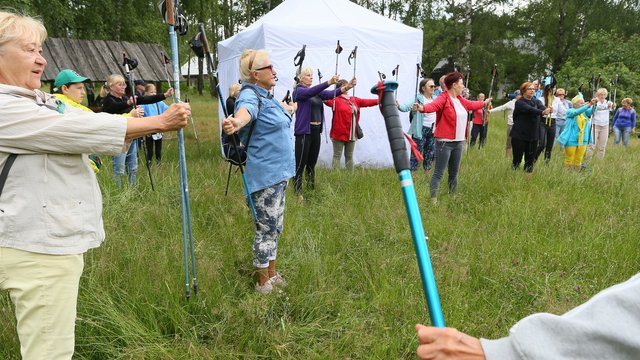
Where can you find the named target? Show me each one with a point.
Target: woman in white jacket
(50, 202)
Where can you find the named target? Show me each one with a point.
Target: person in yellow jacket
(69, 89)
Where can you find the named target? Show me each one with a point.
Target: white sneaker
(278, 280)
(265, 288)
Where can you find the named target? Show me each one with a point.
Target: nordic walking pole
(615, 89)
(335, 91)
(485, 112)
(324, 123)
(165, 60)
(395, 134)
(354, 56)
(466, 81)
(235, 139)
(395, 73)
(184, 183)
(418, 72)
(129, 65)
(193, 125)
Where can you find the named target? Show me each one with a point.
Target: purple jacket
(301, 95)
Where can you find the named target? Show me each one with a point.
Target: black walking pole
(130, 64)
(297, 61)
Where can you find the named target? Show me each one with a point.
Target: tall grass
(505, 246)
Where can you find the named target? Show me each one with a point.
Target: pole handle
(391, 116)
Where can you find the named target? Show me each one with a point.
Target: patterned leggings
(269, 204)
(426, 146)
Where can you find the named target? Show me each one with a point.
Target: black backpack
(234, 150)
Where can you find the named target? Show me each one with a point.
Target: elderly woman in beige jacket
(50, 202)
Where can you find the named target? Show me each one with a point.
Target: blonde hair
(111, 80)
(148, 87)
(481, 94)
(233, 87)
(602, 91)
(627, 101)
(251, 60)
(17, 27)
(306, 71)
(561, 89)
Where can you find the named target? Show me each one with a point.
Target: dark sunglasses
(432, 86)
(270, 67)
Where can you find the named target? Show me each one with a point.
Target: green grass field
(505, 246)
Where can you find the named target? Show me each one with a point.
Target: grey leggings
(349, 147)
(448, 154)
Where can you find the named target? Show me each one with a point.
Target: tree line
(573, 40)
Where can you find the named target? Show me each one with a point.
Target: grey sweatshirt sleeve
(605, 327)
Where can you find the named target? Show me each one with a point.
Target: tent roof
(97, 59)
(319, 12)
(322, 22)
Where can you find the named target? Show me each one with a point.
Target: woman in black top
(524, 134)
(115, 101)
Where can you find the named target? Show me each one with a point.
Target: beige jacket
(51, 202)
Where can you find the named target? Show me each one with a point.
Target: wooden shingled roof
(97, 59)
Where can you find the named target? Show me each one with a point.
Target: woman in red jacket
(344, 131)
(451, 125)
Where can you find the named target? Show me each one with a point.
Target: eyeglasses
(531, 88)
(432, 86)
(270, 67)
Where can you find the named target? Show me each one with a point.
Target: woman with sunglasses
(422, 125)
(270, 161)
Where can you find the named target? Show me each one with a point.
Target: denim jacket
(270, 157)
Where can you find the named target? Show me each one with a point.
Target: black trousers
(546, 138)
(151, 144)
(523, 148)
(476, 130)
(307, 151)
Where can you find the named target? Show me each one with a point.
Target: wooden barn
(97, 59)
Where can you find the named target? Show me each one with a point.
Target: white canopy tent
(382, 45)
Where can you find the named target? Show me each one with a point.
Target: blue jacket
(270, 157)
(569, 136)
(415, 130)
(154, 109)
